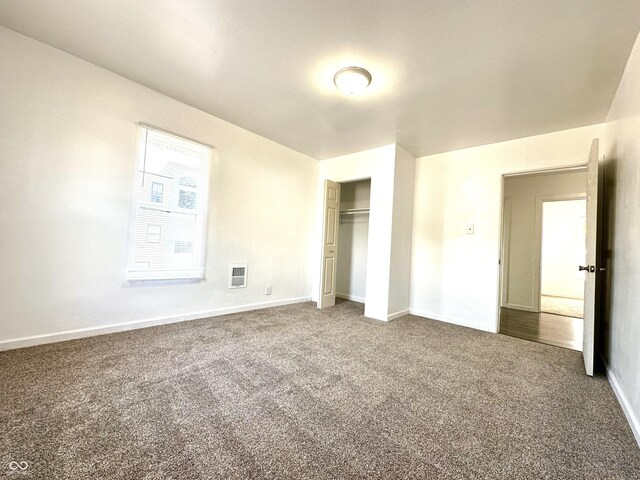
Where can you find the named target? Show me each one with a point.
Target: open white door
(330, 225)
(593, 268)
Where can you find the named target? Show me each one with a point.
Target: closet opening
(353, 238)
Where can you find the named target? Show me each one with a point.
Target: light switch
(470, 229)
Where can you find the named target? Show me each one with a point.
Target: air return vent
(238, 275)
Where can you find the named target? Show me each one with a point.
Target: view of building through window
(169, 207)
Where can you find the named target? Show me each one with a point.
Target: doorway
(563, 247)
(345, 242)
(543, 244)
(353, 239)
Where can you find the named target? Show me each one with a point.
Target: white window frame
(140, 202)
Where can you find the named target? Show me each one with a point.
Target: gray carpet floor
(293, 392)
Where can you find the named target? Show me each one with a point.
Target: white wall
(378, 165)
(454, 276)
(400, 275)
(621, 324)
(563, 248)
(67, 147)
(351, 277)
(524, 194)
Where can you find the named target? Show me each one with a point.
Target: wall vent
(238, 275)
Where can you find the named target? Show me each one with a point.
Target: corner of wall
(401, 233)
(625, 404)
(619, 328)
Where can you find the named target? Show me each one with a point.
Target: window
(169, 207)
(157, 192)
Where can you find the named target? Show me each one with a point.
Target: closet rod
(354, 211)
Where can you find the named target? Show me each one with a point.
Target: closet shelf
(354, 211)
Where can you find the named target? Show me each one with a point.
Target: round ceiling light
(352, 80)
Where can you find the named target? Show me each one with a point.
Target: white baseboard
(560, 296)
(454, 321)
(353, 298)
(524, 308)
(135, 324)
(632, 418)
(401, 313)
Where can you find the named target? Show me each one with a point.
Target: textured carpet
(293, 392)
(567, 307)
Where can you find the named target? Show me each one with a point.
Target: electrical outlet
(267, 289)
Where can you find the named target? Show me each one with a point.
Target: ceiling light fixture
(352, 80)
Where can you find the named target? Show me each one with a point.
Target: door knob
(590, 268)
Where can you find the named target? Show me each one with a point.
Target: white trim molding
(401, 313)
(524, 308)
(136, 324)
(453, 321)
(353, 298)
(634, 421)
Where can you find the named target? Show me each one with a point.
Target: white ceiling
(447, 74)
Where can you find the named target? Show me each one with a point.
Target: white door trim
(540, 200)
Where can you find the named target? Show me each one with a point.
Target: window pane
(169, 208)
(187, 199)
(157, 190)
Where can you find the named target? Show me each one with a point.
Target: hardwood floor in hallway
(542, 327)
